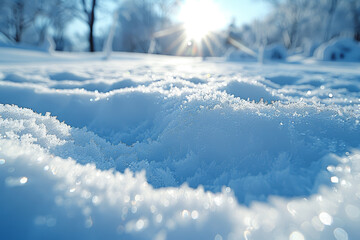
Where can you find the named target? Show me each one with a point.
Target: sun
(198, 28)
(199, 18)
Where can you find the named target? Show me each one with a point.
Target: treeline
(24, 21)
(302, 25)
(147, 25)
(132, 28)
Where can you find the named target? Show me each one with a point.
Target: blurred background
(239, 28)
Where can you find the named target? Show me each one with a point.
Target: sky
(201, 17)
(220, 13)
(213, 15)
(244, 11)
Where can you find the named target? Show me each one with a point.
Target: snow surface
(154, 147)
(341, 49)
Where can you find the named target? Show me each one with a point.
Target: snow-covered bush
(309, 47)
(276, 52)
(343, 49)
(303, 24)
(137, 22)
(237, 55)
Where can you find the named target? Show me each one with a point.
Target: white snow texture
(154, 147)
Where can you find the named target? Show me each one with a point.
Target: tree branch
(84, 8)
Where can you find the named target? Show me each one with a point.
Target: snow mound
(63, 76)
(275, 52)
(251, 91)
(283, 151)
(283, 80)
(45, 195)
(235, 55)
(345, 50)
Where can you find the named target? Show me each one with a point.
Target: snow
(155, 147)
(275, 52)
(342, 49)
(235, 55)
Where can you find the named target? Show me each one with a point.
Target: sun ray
(215, 39)
(241, 47)
(208, 45)
(179, 41)
(168, 31)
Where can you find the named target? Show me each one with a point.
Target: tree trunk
(91, 26)
(331, 12)
(356, 20)
(18, 12)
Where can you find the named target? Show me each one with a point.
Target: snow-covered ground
(155, 147)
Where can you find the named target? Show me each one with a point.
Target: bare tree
(355, 9)
(17, 16)
(59, 14)
(138, 21)
(165, 9)
(89, 11)
(331, 11)
(303, 19)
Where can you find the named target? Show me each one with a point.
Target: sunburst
(199, 20)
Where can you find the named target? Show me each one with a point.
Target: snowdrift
(158, 147)
(343, 50)
(274, 52)
(235, 55)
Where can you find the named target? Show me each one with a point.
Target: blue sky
(244, 11)
(222, 12)
(203, 16)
